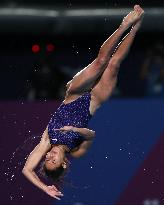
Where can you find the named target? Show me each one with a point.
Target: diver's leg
(104, 88)
(86, 78)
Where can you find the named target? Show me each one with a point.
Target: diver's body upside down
(67, 130)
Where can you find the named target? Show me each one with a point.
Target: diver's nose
(48, 155)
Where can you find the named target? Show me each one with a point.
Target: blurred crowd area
(39, 69)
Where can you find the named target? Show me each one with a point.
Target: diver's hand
(66, 128)
(53, 192)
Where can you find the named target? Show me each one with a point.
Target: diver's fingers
(54, 187)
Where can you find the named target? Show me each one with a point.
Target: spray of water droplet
(15, 164)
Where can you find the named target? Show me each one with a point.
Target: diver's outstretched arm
(86, 78)
(33, 160)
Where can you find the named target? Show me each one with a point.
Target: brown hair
(57, 175)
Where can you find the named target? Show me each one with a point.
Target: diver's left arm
(83, 149)
(85, 132)
(85, 145)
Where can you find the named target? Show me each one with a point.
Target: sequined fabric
(75, 113)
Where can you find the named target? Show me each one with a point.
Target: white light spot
(54, 139)
(11, 198)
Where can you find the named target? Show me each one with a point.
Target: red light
(35, 48)
(50, 47)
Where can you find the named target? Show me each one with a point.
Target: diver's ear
(64, 165)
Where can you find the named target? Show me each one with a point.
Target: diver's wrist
(74, 129)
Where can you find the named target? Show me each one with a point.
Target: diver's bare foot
(133, 17)
(141, 12)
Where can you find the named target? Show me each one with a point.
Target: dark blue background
(126, 131)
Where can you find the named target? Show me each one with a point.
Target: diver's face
(54, 158)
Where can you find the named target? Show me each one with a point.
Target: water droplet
(12, 176)
(11, 197)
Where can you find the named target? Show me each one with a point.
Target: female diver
(67, 132)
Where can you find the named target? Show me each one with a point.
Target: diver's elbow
(25, 171)
(93, 134)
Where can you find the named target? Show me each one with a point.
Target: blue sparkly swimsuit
(75, 113)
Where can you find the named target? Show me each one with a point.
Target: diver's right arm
(33, 160)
